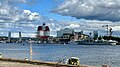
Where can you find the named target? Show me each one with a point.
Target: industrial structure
(43, 32)
(10, 39)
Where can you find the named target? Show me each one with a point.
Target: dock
(9, 62)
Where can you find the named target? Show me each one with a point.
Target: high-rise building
(95, 34)
(43, 32)
(20, 37)
(9, 36)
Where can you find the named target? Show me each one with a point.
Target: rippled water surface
(88, 54)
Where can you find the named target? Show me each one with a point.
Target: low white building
(65, 31)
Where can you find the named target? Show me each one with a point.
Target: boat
(113, 42)
(98, 42)
(64, 43)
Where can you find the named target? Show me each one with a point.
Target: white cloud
(1, 20)
(24, 1)
(23, 34)
(9, 12)
(73, 25)
(13, 19)
(86, 26)
(28, 15)
(91, 9)
(26, 12)
(116, 28)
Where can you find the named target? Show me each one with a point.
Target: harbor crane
(109, 30)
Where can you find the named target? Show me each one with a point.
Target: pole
(30, 50)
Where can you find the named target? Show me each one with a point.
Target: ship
(98, 42)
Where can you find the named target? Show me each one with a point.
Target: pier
(8, 62)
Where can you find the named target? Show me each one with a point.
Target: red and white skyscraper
(43, 31)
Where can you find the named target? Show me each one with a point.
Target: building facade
(65, 35)
(43, 32)
(65, 31)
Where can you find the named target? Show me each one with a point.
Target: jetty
(9, 62)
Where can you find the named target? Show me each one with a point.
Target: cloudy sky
(81, 15)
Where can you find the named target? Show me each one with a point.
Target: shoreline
(11, 61)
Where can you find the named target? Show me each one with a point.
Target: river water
(88, 54)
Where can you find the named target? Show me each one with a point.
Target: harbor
(45, 50)
(59, 33)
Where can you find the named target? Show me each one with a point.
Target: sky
(80, 15)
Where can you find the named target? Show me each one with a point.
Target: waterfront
(88, 54)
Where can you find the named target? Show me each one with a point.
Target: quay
(9, 62)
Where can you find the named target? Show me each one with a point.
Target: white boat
(100, 42)
(112, 42)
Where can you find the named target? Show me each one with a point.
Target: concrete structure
(20, 37)
(9, 36)
(4, 62)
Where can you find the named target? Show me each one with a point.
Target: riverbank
(9, 62)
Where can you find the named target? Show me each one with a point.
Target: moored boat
(105, 42)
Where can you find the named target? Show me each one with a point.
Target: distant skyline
(86, 15)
